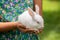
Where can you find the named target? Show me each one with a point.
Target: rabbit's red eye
(37, 22)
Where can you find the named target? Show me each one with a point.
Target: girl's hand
(19, 25)
(40, 30)
(23, 28)
(35, 31)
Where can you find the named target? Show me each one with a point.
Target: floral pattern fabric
(10, 9)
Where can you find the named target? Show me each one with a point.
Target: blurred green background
(51, 14)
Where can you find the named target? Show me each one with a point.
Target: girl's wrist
(16, 24)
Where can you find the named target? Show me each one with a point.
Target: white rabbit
(31, 19)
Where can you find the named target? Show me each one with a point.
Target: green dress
(10, 9)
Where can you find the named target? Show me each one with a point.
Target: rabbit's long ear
(31, 12)
(37, 9)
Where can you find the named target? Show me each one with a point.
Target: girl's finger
(21, 26)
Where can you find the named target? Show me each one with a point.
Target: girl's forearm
(39, 3)
(6, 26)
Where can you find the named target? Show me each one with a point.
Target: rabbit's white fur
(30, 20)
(27, 20)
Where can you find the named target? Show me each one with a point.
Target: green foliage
(52, 21)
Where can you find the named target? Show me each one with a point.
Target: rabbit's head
(35, 16)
